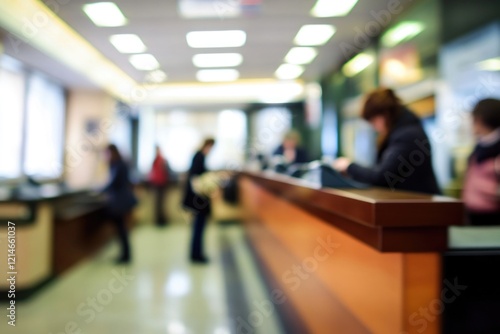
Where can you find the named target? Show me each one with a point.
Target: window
(180, 133)
(121, 132)
(44, 129)
(230, 138)
(12, 84)
(270, 125)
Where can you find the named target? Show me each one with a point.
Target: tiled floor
(160, 292)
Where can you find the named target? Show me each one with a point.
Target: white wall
(90, 121)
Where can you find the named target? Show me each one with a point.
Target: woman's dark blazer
(120, 195)
(404, 162)
(192, 201)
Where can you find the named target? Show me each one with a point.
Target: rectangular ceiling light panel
(402, 32)
(144, 62)
(357, 64)
(127, 43)
(301, 55)
(333, 8)
(314, 34)
(289, 71)
(196, 9)
(217, 60)
(105, 14)
(216, 39)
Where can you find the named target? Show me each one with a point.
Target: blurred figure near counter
(481, 190)
(290, 151)
(404, 154)
(159, 178)
(120, 199)
(198, 204)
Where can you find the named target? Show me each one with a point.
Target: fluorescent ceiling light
(492, 64)
(216, 39)
(217, 75)
(144, 62)
(217, 59)
(314, 34)
(195, 9)
(156, 76)
(331, 8)
(357, 64)
(301, 55)
(402, 32)
(127, 43)
(105, 14)
(289, 71)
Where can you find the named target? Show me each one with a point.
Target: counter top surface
(385, 219)
(39, 193)
(373, 206)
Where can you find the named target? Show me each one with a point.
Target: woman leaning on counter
(404, 154)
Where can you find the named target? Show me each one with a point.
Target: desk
(79, 231)
(48, 223)
(349, 261)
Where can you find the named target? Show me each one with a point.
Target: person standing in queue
(199, 205)
(120, 199)
(159, 178)
(481, 190)
(404, 159)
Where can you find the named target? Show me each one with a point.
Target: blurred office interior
(75, 77)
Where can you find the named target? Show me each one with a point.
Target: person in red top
(158, 179)
(481, 191)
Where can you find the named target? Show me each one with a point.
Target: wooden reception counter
(55, 228)
(350, 261)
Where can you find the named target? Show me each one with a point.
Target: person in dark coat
(481, 189)
(120, 199)
(199, 205)
(404, 159)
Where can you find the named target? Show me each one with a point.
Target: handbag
(206, 184)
